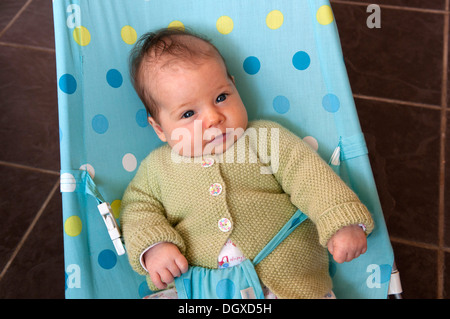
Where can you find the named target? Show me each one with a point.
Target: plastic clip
(113, 229)
(335, 157)
(395, 285)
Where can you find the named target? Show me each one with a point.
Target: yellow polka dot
(224, 24)
(274, 19)
(325, 15)
(128, 34)
(81, 35)
(115, 206)
(73, 226)
(176, 25)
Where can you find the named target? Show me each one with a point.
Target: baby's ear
(157, 128)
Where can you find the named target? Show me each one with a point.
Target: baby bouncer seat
(287, 61)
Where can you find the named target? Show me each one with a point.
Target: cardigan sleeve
(143, 218)
(313, 186)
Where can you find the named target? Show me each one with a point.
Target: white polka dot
(311, 141)
(89, 168)
(68, 183)
(129, 162)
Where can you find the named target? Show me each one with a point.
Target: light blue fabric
(286, 58)
(204, 283)
(228, 283)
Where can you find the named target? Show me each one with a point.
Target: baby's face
(200, 110)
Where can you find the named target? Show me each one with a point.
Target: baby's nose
(213, 117)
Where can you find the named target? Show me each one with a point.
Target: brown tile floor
(399, 76)
(31, 248)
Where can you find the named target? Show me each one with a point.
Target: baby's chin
(217, 150)
(211, 149)
(229, 141)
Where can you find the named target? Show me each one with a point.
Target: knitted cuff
(340, 216)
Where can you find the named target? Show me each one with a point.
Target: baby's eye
(187, 114)
(222, 97)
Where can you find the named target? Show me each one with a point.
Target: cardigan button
(207, 162)
(215, 189)
(224, 225)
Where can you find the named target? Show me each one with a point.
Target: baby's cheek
(186, 145)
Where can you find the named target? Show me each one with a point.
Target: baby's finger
(353, 254)
(166, 276)
(182, 264)
(358, 252)
(350, 257)
(340, 256)
(156, 279)
(174, 270)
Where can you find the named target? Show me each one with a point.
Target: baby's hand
(347, 243)
(164, 262)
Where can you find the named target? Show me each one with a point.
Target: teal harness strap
(288, 228)
(240, 281)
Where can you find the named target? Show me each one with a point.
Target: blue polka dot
(107, 259)
(330, 103)
(225, 289)
(281, 104)
(144, 290)
(301, 60)
(385, 273)
(252, 65)
(67, 83)
(114, 78)
(100, 124)
(141, 118)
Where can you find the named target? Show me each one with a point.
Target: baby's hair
(153, 45)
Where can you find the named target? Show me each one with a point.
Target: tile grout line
(30, 168)
(13, 20)
(28, 47)
(29, 230)
(418, 244)
(441, 213)
(400, 102)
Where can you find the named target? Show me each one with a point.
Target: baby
(186, 202)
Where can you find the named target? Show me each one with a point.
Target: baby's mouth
(221, 138)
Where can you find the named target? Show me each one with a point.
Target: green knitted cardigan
(169, 200)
